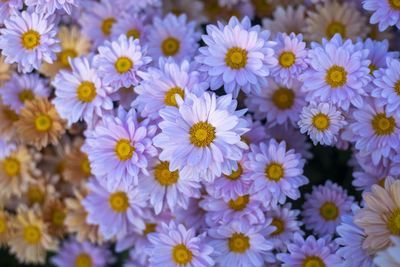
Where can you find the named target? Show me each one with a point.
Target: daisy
(386, 12)
(322, 123)
(30, 239)
(6, 148)
(23, 88)
(174, 245)
(114, 209)
(132, 25)
(202, 137)
(80, 254)
(8, 118)
(338, 72)
(172, 37)
(8, 8)
(379, 218)
(27, 40)
(278, 103)
(54, 217)
(73, 44)
(80, 93)
(241, 244)
(119, 61)
(119, 147)
(40, 192)
(286, 19)
(39, 123)
(50, 6)
(390, 256)
(237, 56)
(77, 166)
(277, 172)
(310, 252)
(6, 229)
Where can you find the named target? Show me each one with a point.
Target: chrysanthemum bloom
(172, 36)
(278, 103)
(323, 208)
(338, 73)
(23, 88)
(82, 254)
(73, 44)
(237, 56)
(241, 244)
(380, 217)
(174, 245)
(50, 6)
(114, 209)
(161, 85)
(201, 139)
(285, 19)
(285, 220)
(39, 123)
(277, 172)
(310, 252)
(390, 256)
(30, 240)
(119, 147)
(81, 94)
(321, 122)
(54, 212)
(6, 229)
(132, 25)
(8, 117)
(40, 191)
(6, 147)
(27, 40)
(386, 12)
(119, 61)
(8, 8)
(77, 166)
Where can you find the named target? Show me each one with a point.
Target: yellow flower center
(35, 195)
(10, 114)
(133, 33)
(107, 25)
(11, 166)
(321, 122)
(397, 87)
(164, 176)
(274, 171)
(313, 261)
(43, 123)
(394, 222)
(150, 228)
(336, 76)
(170, 46)
(124, 150)
(381, 182)
(236, 58)
(287, 59)
(60, 168)
(3, 226)
(85, 167)
(181, 255)
(239, 243)
(283, 98)
(394, 4)
(335, 27)
(202, 134)
(372, 68)
(239, 203)
(235, 175)
(280, 226)
(119, 201)
(169, 99)
(58, 217)
(329, 211)
(32, 234)
(30, 39)
(123, 64)
(25, 95)
(83, 260)
(382, 124)
(86, 91)
(64, 55)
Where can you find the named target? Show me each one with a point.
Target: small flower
(285, 19)
(77, 165)
(386, 13)
(54, 217)
(132, 25)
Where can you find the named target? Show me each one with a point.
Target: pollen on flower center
(313, 261)
(239, 243)
(280, 226)
(133, 33)
(3, 226)
(150, 228)
(169, 99)
(287, 59)
(236, 58)
(335, 27)
(395, 4)
(30, 39)
(274, 171)
(397, 87)
(170, 46)
(35, 195)
(83, 260)
(11, 166)
(58, 217)
(64, 55)
(383, 125)
(181, 255)
(123, 149)
(336, 76)
(25, 95)
(394, 222)
(329, 211)
(321, 122)
(32, 234)
(123, 64)
(106, 25)
(85, 167)
(119, 201)
(202, 134)
(283, 98)
(235, 175)
(164, 176)
(43, 123)
(240, 203)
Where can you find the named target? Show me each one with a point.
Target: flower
(8, 117)
(54, 217)
(286, 19)
(174, 245)
(389, 257)
(132, 25)
(322, 122)
(77, 166)
(202, 137)
(237, 56)
(39, 123)
(277, 172)
(6, 230)
(27, 40)
(386, 13)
